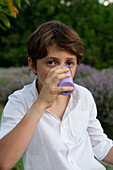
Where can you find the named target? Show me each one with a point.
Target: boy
(50, 130)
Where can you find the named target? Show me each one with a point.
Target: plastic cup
(66, 82)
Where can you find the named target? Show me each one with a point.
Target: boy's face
(55, 56)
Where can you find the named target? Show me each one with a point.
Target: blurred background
(93, 21)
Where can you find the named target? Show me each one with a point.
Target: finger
(65, 89)
(63, 76)
(54, 79)
(59, 70)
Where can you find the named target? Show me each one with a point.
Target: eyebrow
(55, 58)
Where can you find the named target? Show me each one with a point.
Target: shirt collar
(73, 102)
(34, 89)
(75, 97)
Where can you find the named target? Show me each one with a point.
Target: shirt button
(68, 143)
(62, 125)
(71, 162)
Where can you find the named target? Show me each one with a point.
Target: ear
(30, 62)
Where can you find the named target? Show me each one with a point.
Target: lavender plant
(100, 83)
(85, 70)
(12, 79)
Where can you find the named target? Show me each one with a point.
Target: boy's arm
(101, 144)
(109, 157)
(15, 142)
(13, 145)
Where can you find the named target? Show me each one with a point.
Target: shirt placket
(65, 139)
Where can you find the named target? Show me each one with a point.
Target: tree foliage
(92, 21)
(9, 8)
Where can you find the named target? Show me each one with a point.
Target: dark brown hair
(50, 33)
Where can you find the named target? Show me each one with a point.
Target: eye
(69, 63)
(51, 63)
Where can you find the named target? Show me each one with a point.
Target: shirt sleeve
(12, 114)
(100, 142)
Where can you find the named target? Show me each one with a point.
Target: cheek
(44, 73)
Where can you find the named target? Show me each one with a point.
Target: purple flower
(100, 83)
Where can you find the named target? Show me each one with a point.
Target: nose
(62, 64)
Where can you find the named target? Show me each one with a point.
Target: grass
(19, 165)
(107, 166)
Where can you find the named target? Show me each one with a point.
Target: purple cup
(66, 82)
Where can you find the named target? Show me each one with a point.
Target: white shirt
(70, 144)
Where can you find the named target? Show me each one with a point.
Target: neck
(61, 100)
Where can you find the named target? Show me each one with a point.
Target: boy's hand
(50, 89)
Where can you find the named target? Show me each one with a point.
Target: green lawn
(108, 166)
(19, 165)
